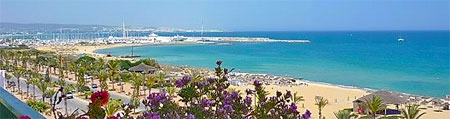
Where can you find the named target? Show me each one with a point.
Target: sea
(365, 59)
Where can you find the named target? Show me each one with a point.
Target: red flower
(102, 96)
(24, 117)
(112, 117)
(82, 117)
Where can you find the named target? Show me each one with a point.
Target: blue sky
(237, 15)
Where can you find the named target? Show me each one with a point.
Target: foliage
(125, 64)
(412, 112)
(39, 106)
(345, 114)
(149, 62)
(321, 103)
(375, 105)
(113, 106)
(85, 60)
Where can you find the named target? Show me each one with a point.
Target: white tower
(124, 34)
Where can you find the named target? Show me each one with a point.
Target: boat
(153, 35)
(400, 39)
(179, 38)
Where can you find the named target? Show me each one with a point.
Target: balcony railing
(12, 108)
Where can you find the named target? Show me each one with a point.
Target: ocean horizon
(364, 59)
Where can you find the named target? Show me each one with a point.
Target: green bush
(38, 105)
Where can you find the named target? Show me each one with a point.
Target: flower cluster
(149, 115)
(206, 98)
(156, 100)
(101, 96)
(183, 81)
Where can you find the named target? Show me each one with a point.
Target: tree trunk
(121, 86)
(28, 87)
(34, 91)
(18, 84)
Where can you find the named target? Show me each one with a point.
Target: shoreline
(92, 51)
(365, 89)
(339, 96)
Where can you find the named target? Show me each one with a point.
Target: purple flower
(203, 83)
(150, 115)
(206, 102)
(234, 95)
(228, 108)
(186, 79)
(190, 116)
(257, 83)
(155, 100)
(179, 83)
(183, 81)
(306, 115)
(211, 80)
(293, 107)
(248, 100)
(223, 111)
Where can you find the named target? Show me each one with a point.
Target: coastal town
(42, 73)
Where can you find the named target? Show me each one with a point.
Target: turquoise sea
(365, 59)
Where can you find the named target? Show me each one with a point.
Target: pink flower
(24, 117)
(82, 117)
(112, 117)
(102, 96)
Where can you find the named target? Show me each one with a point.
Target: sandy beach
(339, 97)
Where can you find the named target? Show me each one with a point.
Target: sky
(237, 15)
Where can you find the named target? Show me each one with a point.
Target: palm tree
(149, 83)
(137, 82)
(35, 81)
(18, 72)
(113, 67)
(297, 98)
(98, 66)
(124, 76)
(345, 114)
(321, 103)
(28, 81)
(412, 112)
(81, 81)
(160, 80)
(42, 85)
(102, 78)
(375, 105)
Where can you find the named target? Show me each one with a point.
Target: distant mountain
(49, 27)
(32, 28)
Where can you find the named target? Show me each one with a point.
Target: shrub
(38, 105)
